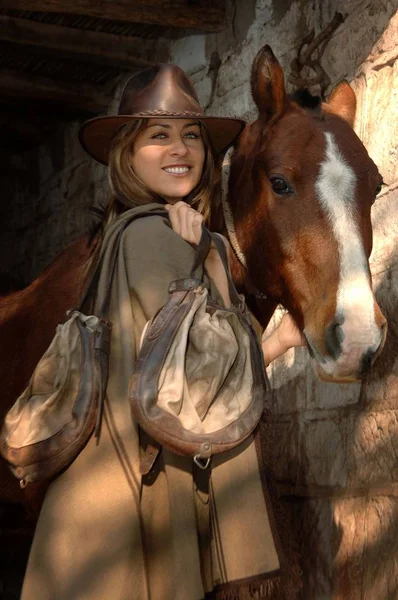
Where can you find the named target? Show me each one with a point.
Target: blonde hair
(126, 188)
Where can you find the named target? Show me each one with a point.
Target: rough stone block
(347, 451)
(371, 449)
(313, 525)
(189, 53)
(349, 520)
(366, 561)
(379, 123)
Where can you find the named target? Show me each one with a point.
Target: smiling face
(168, 157)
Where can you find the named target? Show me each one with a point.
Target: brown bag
(55, 416)
(200, 382)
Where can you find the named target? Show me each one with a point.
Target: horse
(300, 191)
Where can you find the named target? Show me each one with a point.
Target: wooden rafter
(202, 15)
(101, 48)
(71, 95)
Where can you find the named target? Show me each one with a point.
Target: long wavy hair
(126, 188)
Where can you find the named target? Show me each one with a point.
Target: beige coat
(106, 533)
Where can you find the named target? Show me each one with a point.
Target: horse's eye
(280, 186)
(379, 187)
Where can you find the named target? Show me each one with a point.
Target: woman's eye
(280, 186)
(159, 136)
(192, 135)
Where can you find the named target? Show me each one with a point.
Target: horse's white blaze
(355, 301)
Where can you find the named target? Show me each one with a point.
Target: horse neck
(60, 285)
(262, 309)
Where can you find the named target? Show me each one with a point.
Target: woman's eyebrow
(191, 124)
(159, 125)
(166, 126)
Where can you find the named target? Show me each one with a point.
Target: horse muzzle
(346, 358)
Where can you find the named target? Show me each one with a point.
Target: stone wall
(335, 452)
(47, 194)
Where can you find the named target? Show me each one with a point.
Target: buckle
(201, 462)
(202, 459)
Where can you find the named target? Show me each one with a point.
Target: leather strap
(233, 294)
(202, 250)
(103, 331)
(149, 451)
(93, 282)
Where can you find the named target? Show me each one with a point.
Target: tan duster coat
(107, 533)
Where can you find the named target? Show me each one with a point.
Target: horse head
(300, 191)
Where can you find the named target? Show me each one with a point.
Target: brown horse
(301, 188)
(300, 191)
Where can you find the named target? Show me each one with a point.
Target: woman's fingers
(289, 333)
(186, 221)
(174, 218)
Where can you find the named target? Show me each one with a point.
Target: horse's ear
(268, 86)
(343, 102)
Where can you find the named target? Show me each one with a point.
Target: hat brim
(96, 135)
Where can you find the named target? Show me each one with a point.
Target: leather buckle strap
(202, 459)
(149, 451)
(200, 462)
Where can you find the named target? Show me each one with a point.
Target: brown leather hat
(163, 90)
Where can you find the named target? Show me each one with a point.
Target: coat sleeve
(154, 255)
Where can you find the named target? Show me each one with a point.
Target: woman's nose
(179, 148)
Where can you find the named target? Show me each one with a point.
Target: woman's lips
(177, 170)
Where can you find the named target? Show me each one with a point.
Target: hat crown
(160, 90)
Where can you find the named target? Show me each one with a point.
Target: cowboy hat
(163, 90)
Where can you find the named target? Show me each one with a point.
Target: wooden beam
(202, 15)
(101, 48)
(70, 95)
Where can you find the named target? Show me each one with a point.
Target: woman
(126, 521)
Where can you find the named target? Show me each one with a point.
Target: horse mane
(96, 223)
(306, 100)
(10, 283)
(302, 97)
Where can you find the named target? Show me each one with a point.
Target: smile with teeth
(177, 170)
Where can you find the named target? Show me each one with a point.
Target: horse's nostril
(366, 362)
(333, 338)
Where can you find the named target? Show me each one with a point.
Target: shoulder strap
(196, 270)
(233, 294)
(202, 250)
(93, 282)
(200, 256)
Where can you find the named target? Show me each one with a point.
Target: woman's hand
(286, 335)
(185, 221)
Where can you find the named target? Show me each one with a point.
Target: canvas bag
(200, 383)
(55, 416)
